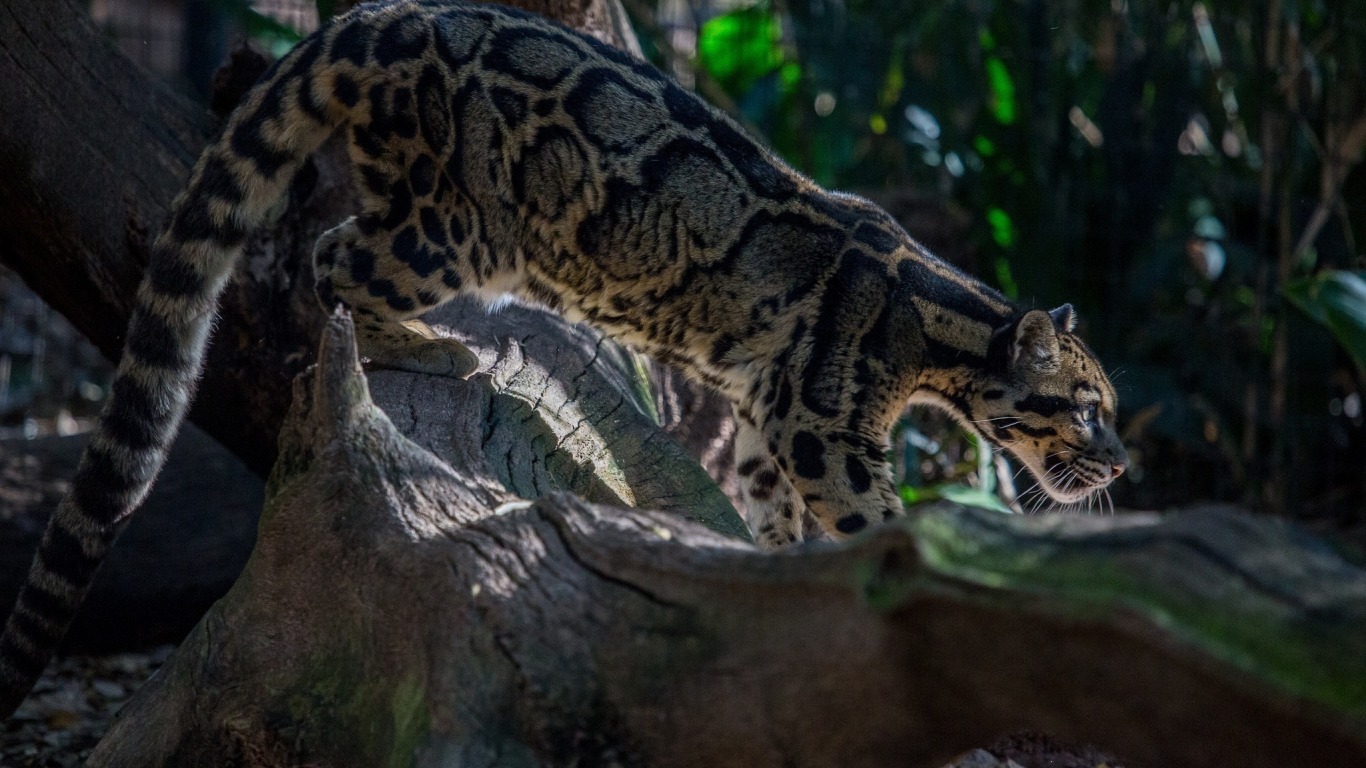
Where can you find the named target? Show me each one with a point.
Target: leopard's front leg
(773, 508)
(841, 475)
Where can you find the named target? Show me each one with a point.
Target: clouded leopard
(496, 152)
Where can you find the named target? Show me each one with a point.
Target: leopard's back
(564, 171)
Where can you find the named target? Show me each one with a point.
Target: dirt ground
(72, 705)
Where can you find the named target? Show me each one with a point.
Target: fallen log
(398, 609)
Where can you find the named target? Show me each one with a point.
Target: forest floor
(70, 709)
(71, 706)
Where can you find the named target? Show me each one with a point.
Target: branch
(1342, 151)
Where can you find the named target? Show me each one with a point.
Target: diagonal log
(396, 612)
(92, 151)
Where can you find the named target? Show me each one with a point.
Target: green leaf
(1002, 89)
(895, 81)
(739, 47)
(972, 497)
(1005, 279)
(1002, 228)
(258, 25)
(1337, 300)
(912, 495)
(959, 494)
(325, 9)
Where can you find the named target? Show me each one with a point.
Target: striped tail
(236, 182)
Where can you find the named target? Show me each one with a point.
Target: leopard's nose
(1119, 461)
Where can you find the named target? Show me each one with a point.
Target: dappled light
(683, 382)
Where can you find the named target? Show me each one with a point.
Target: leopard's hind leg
(386, 295)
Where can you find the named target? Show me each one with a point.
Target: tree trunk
(398, 610)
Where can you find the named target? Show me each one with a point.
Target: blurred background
(1182, 173)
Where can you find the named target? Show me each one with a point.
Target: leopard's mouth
(1068, 481)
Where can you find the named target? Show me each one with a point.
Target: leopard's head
(1049, 403)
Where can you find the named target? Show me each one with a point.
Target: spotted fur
(496, 152)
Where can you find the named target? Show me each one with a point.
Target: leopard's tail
(233, 188)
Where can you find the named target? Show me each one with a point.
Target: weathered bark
(181, 552)
(566, 410)
(392, 614)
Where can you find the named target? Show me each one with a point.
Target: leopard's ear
(1035, 344)
(1064, 319)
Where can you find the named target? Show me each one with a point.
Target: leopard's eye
(1087, 413)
